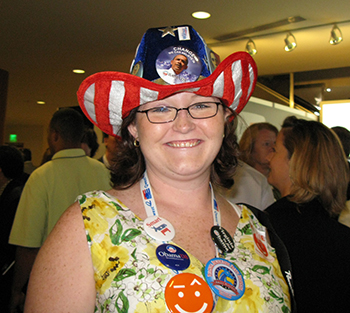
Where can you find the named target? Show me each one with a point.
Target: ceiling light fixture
(201, 15)
(290, 42)
(250, 47)
(40, 102)
(336, 35)
(78, 71)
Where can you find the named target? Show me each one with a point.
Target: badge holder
(223, 277)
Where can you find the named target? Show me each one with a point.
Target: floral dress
(130, 278)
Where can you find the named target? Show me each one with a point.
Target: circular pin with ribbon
(225, 279)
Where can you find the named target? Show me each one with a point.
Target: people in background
(89, 142)
(344, 137)
(49, 190)
(109, 251)
(28, 164)
(256, 143)
(47, 156)
(310, 170)
(11, 185)
(110, 142)
(250, 187)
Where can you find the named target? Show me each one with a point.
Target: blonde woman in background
(310, 170)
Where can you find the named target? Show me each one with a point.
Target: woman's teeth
(186, 144)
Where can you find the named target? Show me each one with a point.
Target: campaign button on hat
(225, 279)
(159, 228)
(222, 239)
(173, 257)
(188, 292)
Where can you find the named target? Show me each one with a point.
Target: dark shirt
(8, 205)
(319, 249)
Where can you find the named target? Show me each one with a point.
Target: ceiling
(42, 41)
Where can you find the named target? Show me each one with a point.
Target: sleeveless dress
(130, 278)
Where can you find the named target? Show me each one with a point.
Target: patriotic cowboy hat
(106, 98)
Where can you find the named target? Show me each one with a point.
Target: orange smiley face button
(188, 293)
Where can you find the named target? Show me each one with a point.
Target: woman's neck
(194, 193)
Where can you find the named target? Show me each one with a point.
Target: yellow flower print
(156, 306)
(96, 214)
(108, 260)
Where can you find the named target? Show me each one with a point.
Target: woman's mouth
(184, 144)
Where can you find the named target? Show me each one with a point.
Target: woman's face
(279, 164)
(263, 146)
(185, 147)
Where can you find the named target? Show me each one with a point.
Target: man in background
(50, 190)
(110, 143)
(28, 165)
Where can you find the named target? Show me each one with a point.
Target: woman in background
(256, 143)
(310, 170)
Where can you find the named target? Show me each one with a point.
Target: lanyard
(151, 207)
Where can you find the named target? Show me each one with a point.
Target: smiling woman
(161, 239)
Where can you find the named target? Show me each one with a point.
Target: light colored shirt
(50, 190)
(250, 187)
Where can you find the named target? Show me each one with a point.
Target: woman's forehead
(180, 99)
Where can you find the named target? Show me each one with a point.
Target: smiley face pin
(188, 293)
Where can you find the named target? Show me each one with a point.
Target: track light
(336, 35)
(290, 42)
(251, 48)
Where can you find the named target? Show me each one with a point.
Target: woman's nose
(183, 122)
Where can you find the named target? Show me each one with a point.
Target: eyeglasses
(166, 114)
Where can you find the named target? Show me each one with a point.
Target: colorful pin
(159, 228)
(225, 279)
(173, 257)
(187, 293)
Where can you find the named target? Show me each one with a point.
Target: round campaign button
(225, 279)
(159, 228)
(222, 239)
(173, 257)
(188, 292)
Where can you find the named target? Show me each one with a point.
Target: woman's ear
(133, 130)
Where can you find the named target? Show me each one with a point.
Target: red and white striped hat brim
(106, 98)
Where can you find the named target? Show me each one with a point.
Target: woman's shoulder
(280, 203)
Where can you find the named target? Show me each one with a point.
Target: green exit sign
(13, 138)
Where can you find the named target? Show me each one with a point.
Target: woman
(257, 142)
(309, 169)
(114, 251)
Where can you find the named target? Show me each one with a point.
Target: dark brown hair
(130, 164)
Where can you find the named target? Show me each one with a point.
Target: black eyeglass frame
(177, 111)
